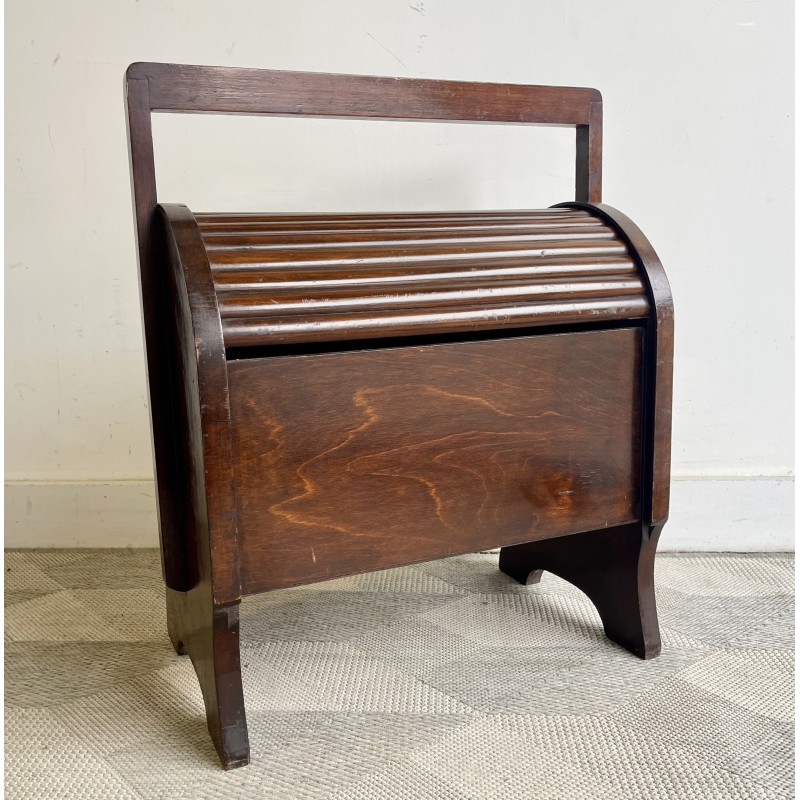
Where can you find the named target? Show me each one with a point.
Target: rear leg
(612, 566)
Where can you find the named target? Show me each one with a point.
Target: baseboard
(741, 515)
(120, 514)
(730, 514)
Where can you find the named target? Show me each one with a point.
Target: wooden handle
(231, 90)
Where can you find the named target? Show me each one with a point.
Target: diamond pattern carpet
(442, 681)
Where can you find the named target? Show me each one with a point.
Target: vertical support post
(142, 163)
(589, 155)
(176, 568)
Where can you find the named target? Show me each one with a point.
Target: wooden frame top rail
(230, 90)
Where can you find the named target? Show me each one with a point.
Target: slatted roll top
(294, 278)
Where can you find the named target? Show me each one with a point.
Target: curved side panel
(659, 358)
(201, 377)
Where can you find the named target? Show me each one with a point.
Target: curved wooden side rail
(200, 547)
(200, 376)
(614, 566)
(660, 342)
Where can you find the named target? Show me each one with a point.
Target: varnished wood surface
(612, 566)
(234, 90)
(291, 279)
(502, 268)
(350, 462)
(378, 237)
(205, 485)
(356, 254)
(660, 363)
(303, 221)
(272, 303)
(159, 349)
(660, 343)
(202, 607)
(209, 634)
(340, 327)
(589, 155)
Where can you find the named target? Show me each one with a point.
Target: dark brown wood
(352, 255)
(209, 634)
(152, 269)
(365, 460)
(388, 277)
(372, 283)
(341, 327)
(454, 221)
(201, 374)
(268, 305)
(202, 614)
(232, 90)
(613, 566)
(660, 343)
(233, 226)
(298, 437)
(436, 240)
(589, 155)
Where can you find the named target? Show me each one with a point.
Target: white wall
(698, 150)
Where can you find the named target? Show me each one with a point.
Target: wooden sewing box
(333, 393)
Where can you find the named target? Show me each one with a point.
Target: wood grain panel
(234, 90)
(351, 462)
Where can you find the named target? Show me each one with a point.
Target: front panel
(349, 462)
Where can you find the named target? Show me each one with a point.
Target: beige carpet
(444, 680)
